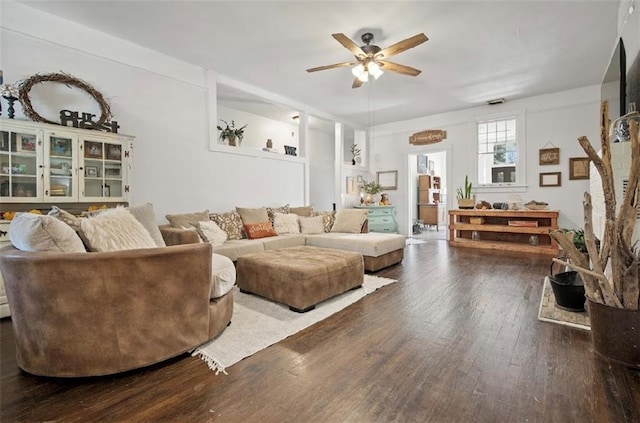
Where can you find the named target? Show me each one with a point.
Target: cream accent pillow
(247, 215)
(311, 225)
(349, 221)
(33, 232)
(116, 229)
(210, 232)
(286, 223)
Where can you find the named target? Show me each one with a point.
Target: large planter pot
(615, 333)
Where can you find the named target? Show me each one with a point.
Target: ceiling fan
(371, 59)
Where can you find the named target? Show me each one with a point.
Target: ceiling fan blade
(349, 44)
(356, 83)
(395, 67)
(336, 65)
(401, 46)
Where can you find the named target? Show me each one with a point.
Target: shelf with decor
(514, 230)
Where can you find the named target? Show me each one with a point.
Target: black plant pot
(568, 290)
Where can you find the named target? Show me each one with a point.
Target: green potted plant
(371, 189)
(463, 194)
(231, 133)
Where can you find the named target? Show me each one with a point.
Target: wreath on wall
(69, 81)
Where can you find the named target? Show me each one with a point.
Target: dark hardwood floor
(455, 340)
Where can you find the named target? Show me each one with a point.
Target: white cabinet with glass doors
(50, 163)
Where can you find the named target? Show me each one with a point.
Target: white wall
(321, 169)
(558, 119)
(163, 102)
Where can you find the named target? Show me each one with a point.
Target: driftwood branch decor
(621, 286)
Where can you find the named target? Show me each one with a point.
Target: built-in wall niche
(272, 130)
(354, 146)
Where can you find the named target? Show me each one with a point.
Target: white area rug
(258, 323)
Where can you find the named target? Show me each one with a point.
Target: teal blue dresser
(381, 218)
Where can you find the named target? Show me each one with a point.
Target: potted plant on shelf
(372, 189)
(465, 201)
(231, 133)
(355, 152)
(613, 296)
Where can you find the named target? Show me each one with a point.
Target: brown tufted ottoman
(300, 277)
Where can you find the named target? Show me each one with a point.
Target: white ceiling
(477, 50)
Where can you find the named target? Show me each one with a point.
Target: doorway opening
(428, 195)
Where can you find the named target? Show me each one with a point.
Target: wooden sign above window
(430, 136)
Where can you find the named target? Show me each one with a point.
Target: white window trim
(521, 170)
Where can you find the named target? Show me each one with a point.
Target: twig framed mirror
(388, 179)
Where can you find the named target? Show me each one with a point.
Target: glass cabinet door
(60, 164)
(102, 170)
(20, 166)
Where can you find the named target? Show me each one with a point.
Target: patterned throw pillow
(259, 230)
(271, 211)
(286, 223)
(230, 222)
(328, 217)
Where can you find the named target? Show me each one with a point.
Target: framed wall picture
(60, 146)
(579, 168)
(352, 185)
(549, 156)
(388, 179)
(26, 143)
(92, 150)
(550, 179)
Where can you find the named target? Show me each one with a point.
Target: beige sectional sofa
(379, 250)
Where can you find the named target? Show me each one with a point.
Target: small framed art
(91, 171)
(550, 179)
(26, 143)
(549, 156)
(59, 146)
(579, 168)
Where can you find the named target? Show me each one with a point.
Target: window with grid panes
(498, 151)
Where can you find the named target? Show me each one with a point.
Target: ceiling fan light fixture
(375, 70)
(364, 76)
(358, 70)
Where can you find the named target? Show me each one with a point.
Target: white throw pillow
(116, 229)
(212, 233)
(311, 225)
(349, 220)
(33, 232)
(286, 223)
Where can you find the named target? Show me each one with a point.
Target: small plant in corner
(231, 133)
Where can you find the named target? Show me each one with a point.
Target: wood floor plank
(456, 339)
